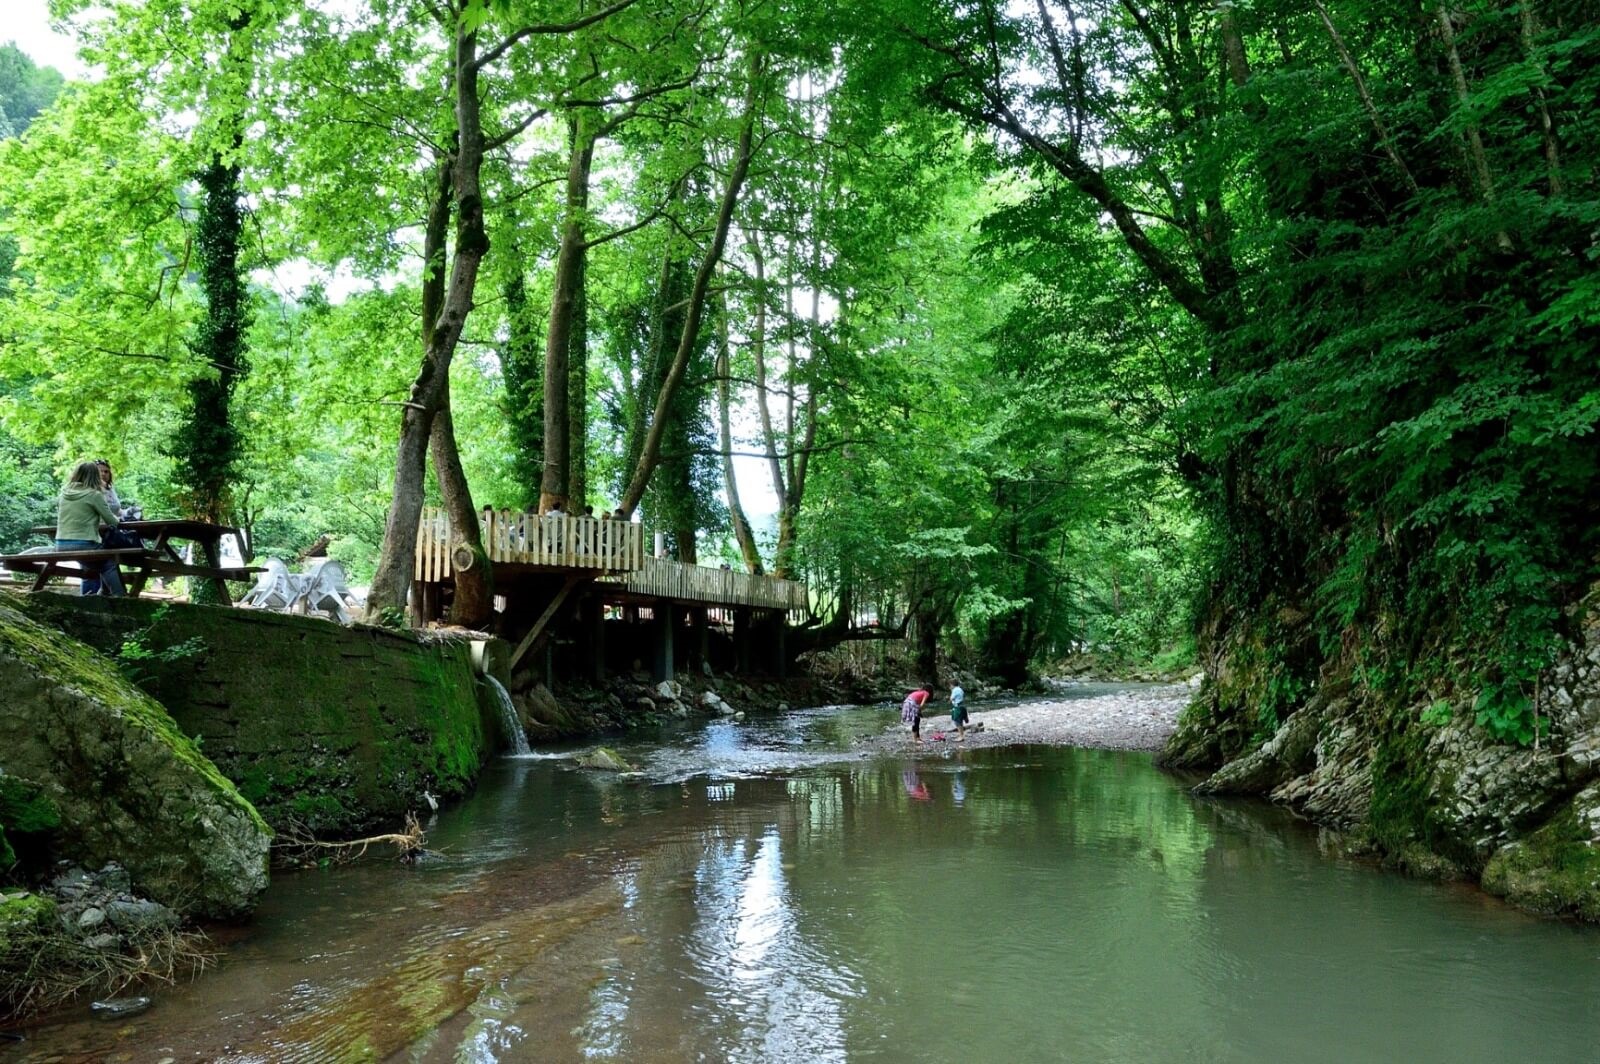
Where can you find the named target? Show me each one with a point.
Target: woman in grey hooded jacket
(80, 512)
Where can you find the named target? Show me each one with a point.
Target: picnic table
(161, 558)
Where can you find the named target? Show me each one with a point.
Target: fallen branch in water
(299, 845)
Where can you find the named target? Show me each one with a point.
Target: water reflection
(1006, 905)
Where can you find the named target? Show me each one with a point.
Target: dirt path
(1137, 718)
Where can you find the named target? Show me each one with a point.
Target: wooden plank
(544, 619)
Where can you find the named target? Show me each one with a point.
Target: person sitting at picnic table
(80, 511)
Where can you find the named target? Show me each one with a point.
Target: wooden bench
(143, 562)
(56, 562)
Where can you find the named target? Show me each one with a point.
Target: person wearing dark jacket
(80, 511)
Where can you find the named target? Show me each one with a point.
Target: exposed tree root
(297, 846)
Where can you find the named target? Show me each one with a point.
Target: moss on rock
(126, 783)
(1555, 869)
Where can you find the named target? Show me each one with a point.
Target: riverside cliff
(1412, 780)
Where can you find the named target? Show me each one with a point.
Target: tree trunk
(473, 605)
(736, 516)
(428, 391)
(578, 395)
(758, 347)
(651, 452)
(565, 297)
(522, 365)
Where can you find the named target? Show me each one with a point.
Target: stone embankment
(337, 730)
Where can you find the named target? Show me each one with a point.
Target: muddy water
(785, 891)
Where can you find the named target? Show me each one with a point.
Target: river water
(788, 890)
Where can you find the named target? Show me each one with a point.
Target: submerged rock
(116, 1008)
(605, 758)
(127, 784)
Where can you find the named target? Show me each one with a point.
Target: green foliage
(140, 658)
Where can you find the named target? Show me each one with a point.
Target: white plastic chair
(326, 590)
(276, 589)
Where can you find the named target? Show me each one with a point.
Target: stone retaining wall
(338, 729)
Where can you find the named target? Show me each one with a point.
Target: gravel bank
(1135, 718)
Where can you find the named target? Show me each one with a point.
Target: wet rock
(604, 758)
(677, 710)
(118, 1008)
(738, 715)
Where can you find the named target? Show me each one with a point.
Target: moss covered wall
(339, 729)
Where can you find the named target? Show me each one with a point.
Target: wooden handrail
(612, 549)
(683, 582)
(592, 543)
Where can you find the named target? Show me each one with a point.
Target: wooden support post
(741, 640)
(700, 636)
(663, 665)
(541, 624)
(780, 648)
(596, 641)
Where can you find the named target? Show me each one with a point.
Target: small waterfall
(509, 719)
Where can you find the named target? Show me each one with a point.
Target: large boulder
(126, 783)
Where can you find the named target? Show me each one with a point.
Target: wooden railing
(527, 539)
(668, 579)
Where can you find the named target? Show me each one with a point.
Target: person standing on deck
(80, 511)
(958, 711)
(911, 711)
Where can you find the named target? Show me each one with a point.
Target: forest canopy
(1044, 327)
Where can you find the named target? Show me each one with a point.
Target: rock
(668, 691)
(739, 715)
(677, 710)
(1556, 868)
(113, 877)
(1196, 680)
(128, 785)
(25, 920)
(91, 917)
(783, 707)
(644, 705)
(103, 941)
(604, 758)
(711, 700)
(117, 1008)
(1289, 753)
(133, 916)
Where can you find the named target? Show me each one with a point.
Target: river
(789, 890)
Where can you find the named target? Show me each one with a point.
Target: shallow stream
(783, 890)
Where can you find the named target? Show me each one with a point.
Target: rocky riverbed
(1130, 718)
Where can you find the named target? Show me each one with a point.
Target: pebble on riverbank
(1133, 719)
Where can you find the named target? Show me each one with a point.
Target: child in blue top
(958, 711)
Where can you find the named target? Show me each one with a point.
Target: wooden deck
(613, 551)
(510, 538)
(663, 578)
